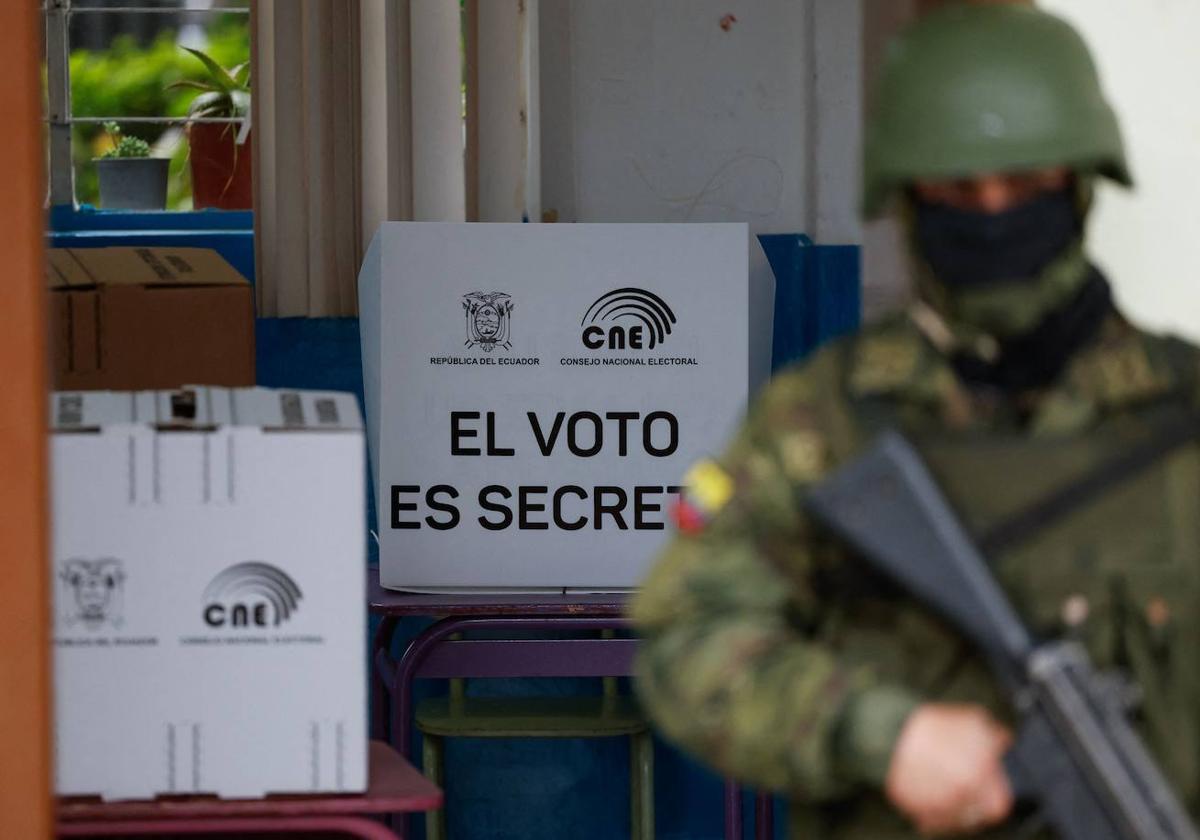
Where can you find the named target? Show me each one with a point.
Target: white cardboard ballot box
(209, 592)
(535, 394)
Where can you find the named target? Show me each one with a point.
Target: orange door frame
(25, 698)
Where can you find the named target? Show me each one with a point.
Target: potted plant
(219, 152)
(130, 179)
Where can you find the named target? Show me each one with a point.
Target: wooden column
(25, 700)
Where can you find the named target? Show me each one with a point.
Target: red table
(391, 678)
(394, 786)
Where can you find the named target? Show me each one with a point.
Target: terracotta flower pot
(220, 168)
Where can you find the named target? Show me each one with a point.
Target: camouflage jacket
(780, 659)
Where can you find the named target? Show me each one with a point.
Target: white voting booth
(208, 577)
(535, 394)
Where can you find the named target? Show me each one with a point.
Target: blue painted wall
(817, 294)
(228, 232)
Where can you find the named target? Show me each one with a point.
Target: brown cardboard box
(138, 318)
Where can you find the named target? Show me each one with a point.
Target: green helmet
(976, 88)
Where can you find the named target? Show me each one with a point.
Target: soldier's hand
(947, 772)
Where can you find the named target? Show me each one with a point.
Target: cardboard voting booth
(209, 585)
(535, 394)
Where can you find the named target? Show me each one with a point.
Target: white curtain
(358, 119)
(308, 195)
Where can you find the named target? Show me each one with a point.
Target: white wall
(1149, 240)
(652, 111)
(675, 119)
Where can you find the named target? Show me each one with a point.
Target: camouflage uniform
(781, 659)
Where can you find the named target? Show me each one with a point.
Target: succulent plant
(123, 145)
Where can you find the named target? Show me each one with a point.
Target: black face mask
(966, 248)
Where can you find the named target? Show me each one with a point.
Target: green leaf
(241, 103)
(190, 83)
(212, 111)
(213, 101)
(218, 73)
(241, 75)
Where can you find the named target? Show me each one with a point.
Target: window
(126, 62)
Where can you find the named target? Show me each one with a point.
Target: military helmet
(976, 88)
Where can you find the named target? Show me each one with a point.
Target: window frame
(67, 218)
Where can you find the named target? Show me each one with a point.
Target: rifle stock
(888, 507)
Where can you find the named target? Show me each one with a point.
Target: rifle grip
(1023, 787)
(1044, 777)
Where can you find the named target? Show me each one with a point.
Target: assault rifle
(1076, 757)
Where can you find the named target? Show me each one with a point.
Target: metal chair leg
(764, 816)
(641, 786)
(432, 754)
(733, 810)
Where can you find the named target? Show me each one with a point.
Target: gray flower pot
(133, 183)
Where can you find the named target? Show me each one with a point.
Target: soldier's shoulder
(1131, 363)
(810, 409)
(1177, 357)
(1160, 341)
(878, 356)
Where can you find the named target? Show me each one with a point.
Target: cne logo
(250, 595)
(632, 319)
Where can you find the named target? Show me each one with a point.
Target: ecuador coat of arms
(489, 320)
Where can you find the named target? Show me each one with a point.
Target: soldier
(780, 658)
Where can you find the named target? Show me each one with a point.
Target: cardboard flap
(64, 271)
(70, 268)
